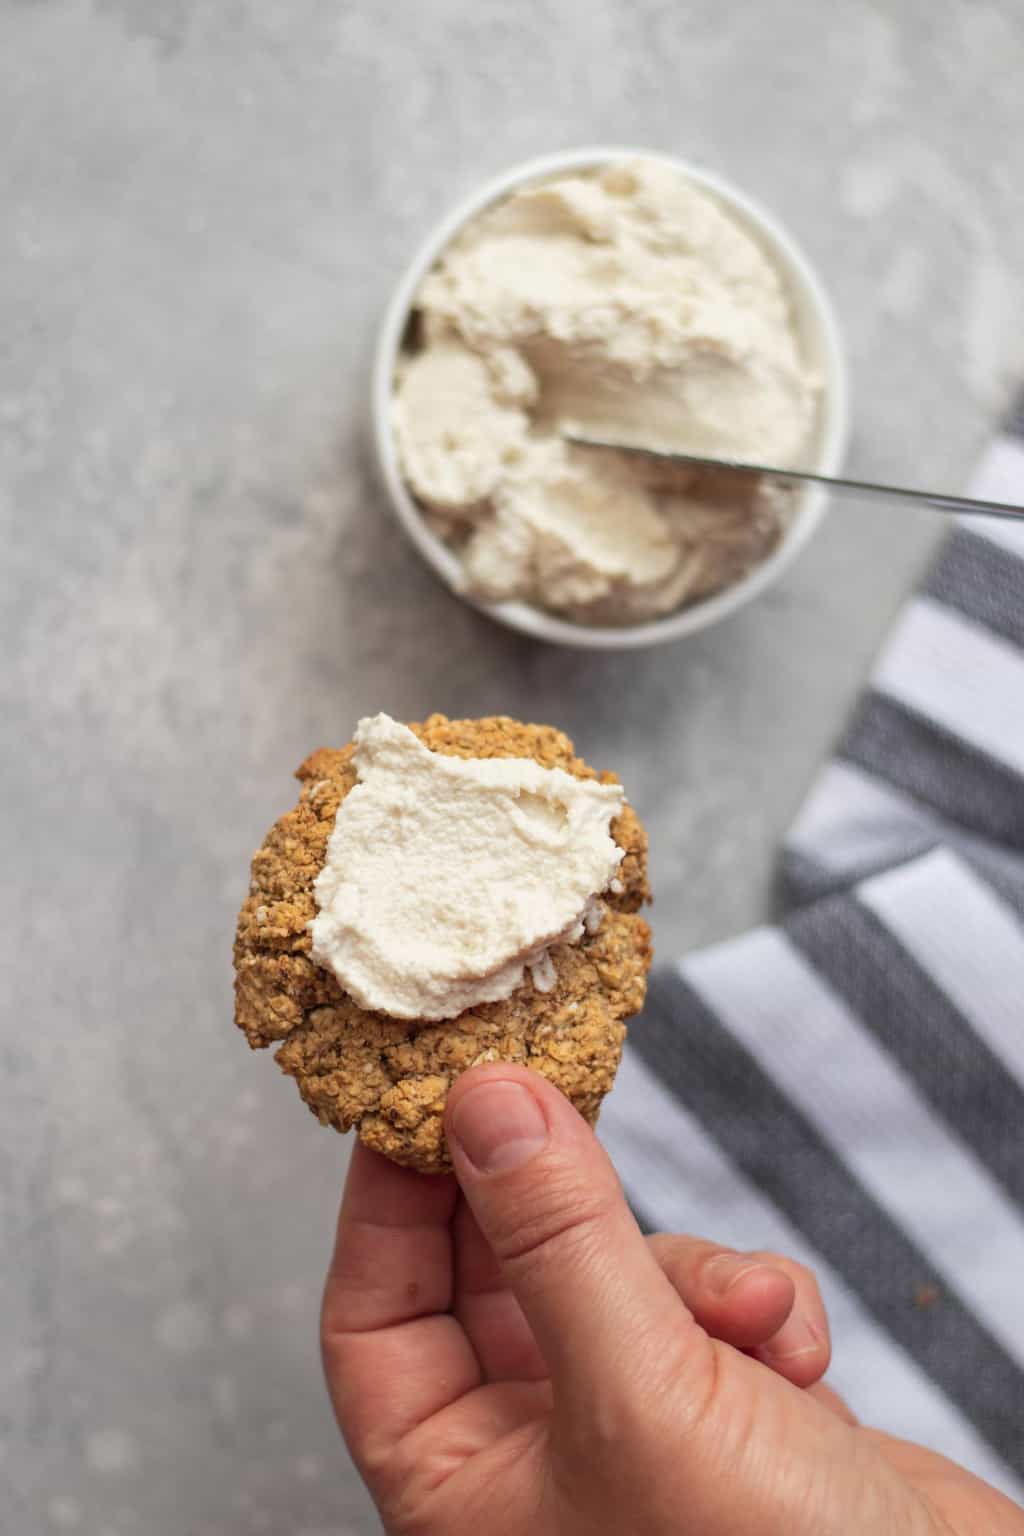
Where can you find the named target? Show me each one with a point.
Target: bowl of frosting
(629, 296)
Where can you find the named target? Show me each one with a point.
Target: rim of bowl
(832, 431)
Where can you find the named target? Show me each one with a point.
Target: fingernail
(498, 1126)
(723, 1270)
(797, 1336)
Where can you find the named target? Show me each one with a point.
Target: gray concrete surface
(204, 204)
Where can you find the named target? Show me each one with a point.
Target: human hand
(517, 1357)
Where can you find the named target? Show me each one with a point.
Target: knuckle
(693, 1358)
(564, 1220)
(769, 1256)
(804, 1279)
(668, 1252)
(799, 1273)
(408, 1481)
(667, 1389)
(332, 1318)
(677, 1252)
(708, 1255)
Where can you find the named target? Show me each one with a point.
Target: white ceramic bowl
(819, 334)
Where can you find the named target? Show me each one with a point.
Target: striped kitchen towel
(848, 1086)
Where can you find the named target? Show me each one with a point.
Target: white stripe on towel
(851, 820)
(959, 931)
(955, 673)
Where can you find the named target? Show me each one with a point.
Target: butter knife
(939, 500)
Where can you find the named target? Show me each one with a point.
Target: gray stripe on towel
(981, 581)
(930, 763)
(804, 879)
(1007, 883)
(896, 999)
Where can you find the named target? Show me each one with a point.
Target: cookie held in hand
(335, 909)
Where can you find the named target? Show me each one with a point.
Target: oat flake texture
(386, 1078)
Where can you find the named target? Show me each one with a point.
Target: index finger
(393, 1355)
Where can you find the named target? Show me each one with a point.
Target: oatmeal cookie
(388, 1078)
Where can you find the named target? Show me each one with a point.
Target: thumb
(548, 1201)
